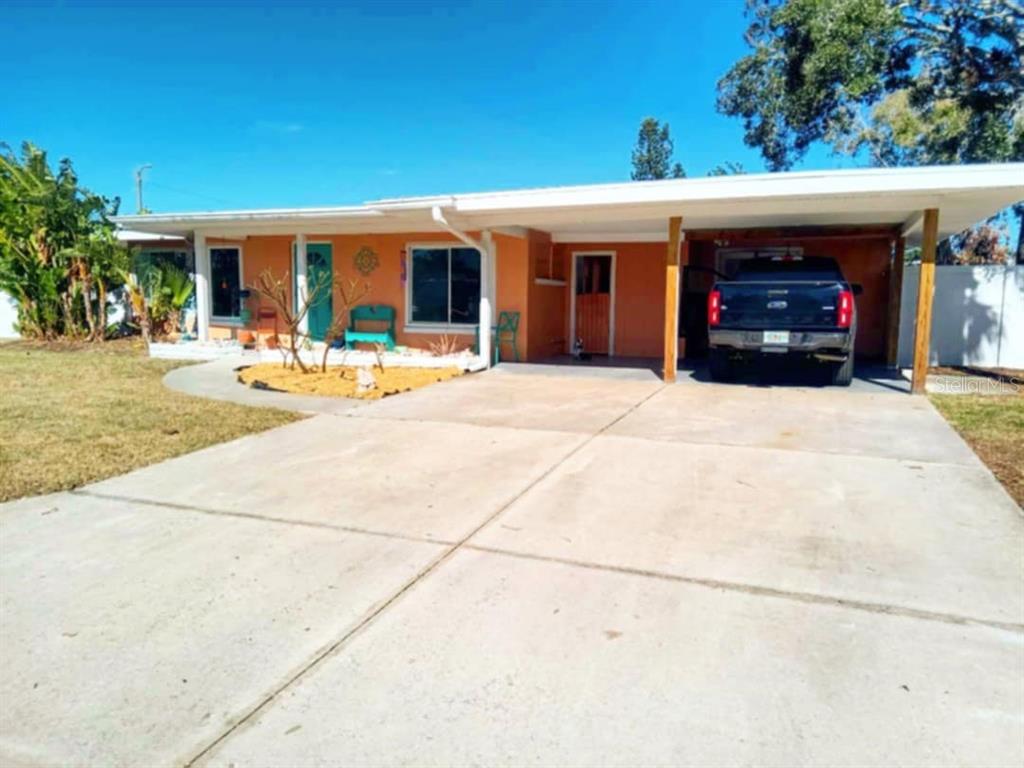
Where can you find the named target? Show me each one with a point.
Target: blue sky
(263, 105)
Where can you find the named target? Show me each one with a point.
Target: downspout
(485, 280)
(203, 280)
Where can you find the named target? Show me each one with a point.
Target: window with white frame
(444, 286)
(226, 282)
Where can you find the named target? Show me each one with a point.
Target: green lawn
(72, 414)
(994, 428)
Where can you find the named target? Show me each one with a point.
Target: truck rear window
(808, 268)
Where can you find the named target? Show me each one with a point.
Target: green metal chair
(507, 330)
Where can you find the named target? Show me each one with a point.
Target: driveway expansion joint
(762, 591)
(430, 568)
(261, 518)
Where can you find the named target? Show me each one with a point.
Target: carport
(864, 218)
(615, 261)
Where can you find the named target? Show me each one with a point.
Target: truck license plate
(775, 337)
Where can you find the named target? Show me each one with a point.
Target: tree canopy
(652, 155)
(58, 252)
(728, 168)
(907, 81)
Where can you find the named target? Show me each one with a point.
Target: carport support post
(675, 225)
(925, 293)
(201, 262)
(892, 339)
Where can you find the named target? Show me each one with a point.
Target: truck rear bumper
(799, 341)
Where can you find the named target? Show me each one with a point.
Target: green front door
(318, 261)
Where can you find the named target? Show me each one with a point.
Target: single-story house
(625, 267)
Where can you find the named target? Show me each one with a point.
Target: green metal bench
(367, 313)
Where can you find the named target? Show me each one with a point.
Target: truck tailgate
(789, 305)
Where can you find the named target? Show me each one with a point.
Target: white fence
(9, 314)
(977, 317)
(8, 317)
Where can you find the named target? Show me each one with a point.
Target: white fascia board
(812, 193)
(133, 236)
(255, 213)
(816, 185)
(269, 218)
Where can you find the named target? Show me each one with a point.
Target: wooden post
(672, 300)
(892, 339)
(925, 292)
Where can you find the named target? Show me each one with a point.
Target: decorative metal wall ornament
(366, 260)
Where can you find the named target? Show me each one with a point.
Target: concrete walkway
(218, 380)
(511, 569)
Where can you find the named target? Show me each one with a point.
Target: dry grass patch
(72, 413)
(340, 381)
(993, 425)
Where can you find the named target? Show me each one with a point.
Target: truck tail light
(714, 308)
(844, 317)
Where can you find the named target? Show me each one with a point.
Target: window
(148, 259)
(445, 286)
(226, 282)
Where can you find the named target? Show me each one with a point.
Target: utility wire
(220, 200)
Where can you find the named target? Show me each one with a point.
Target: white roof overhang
(894, 197)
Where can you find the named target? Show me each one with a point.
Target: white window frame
(611, 300)
(226, 319)
(455, 329)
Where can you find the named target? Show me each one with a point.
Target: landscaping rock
(365, 380)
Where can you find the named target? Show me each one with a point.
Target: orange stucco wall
(513, 288)
(639, 294)
(544, 328)
(386, 283)
(548, 302)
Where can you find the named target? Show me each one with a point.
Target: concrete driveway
(529, 569)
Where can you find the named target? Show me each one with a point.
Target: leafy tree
(652, 156)
(728, 168)
(907, 81)
(58, 252)
(983, 244)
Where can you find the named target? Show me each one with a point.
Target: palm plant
(139, 304)
(174, 289)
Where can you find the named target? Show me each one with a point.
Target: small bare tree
(276, 291)
(379, 350)
(347, 293)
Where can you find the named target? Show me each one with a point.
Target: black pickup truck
(783, 305)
